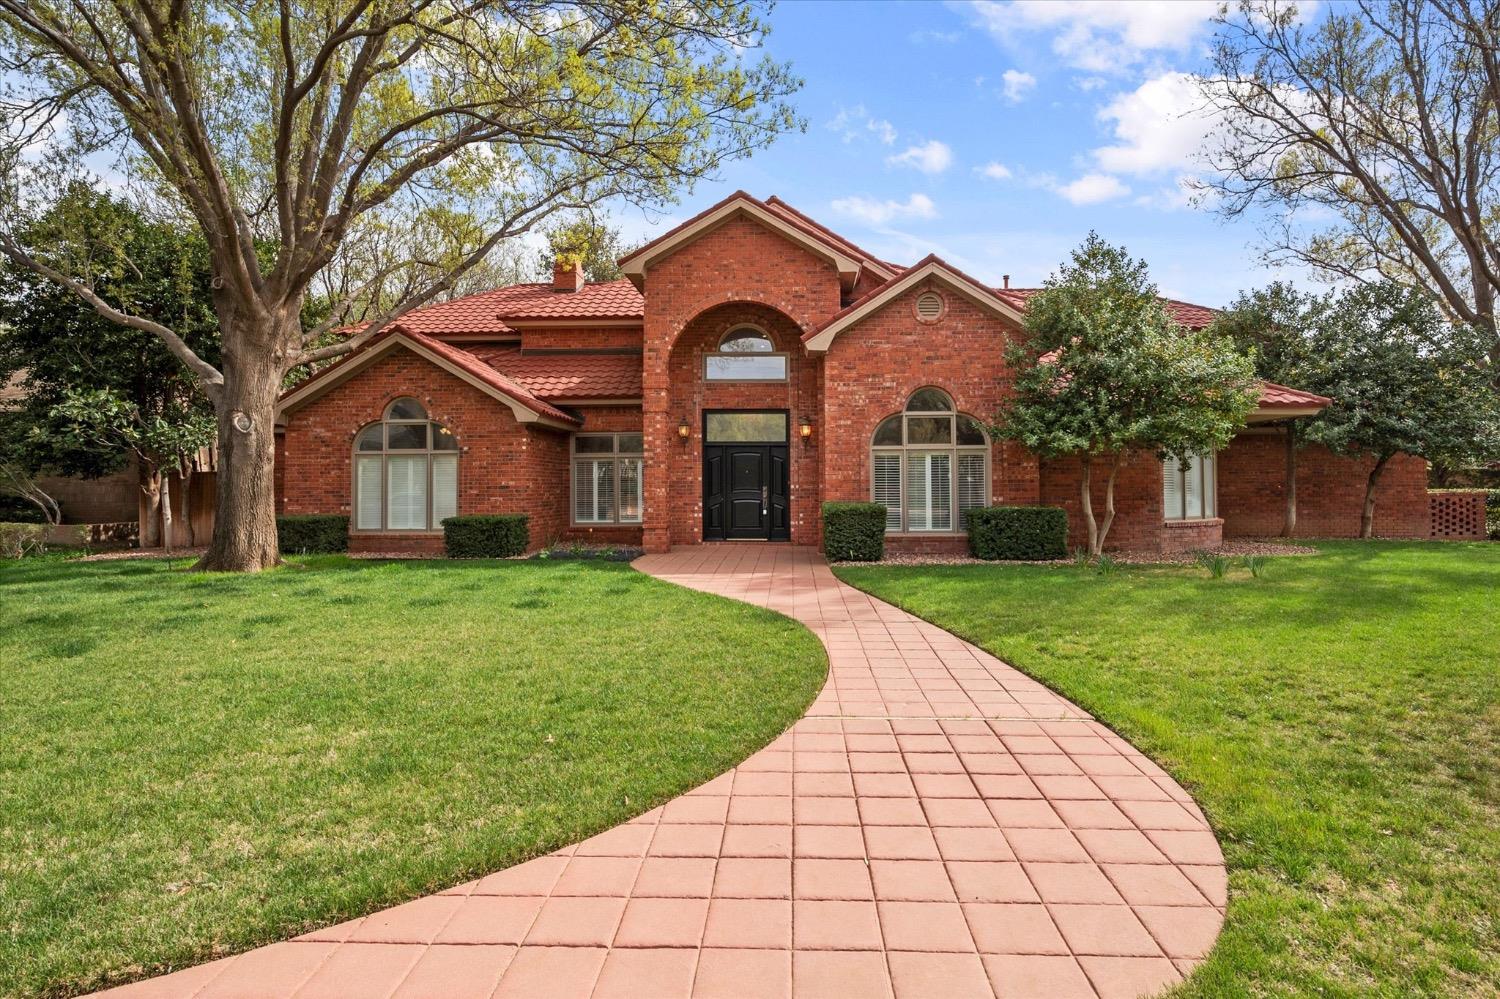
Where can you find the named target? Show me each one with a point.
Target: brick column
(659, 432)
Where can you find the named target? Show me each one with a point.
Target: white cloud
(936, 37)
(1091, 189)
(857, 123)
(873, 212)
(1016, 84)
(1170, 199)
(929, 157)
(994, 170)
(1159, 126)
(1100, 36)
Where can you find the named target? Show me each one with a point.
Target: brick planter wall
(1191, 535)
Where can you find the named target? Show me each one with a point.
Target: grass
(192, 765)
(1337, 718)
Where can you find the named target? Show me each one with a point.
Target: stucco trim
(343, 372)
(931, 268)
(739, 204)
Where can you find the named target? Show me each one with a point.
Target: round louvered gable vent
(929, 306)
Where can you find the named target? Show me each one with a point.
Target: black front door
(745, 492)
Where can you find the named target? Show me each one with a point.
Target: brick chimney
(1006, 279)
(567, 276)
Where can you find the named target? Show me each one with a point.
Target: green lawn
(192, 765)
(1338, 720)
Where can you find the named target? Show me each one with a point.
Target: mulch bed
(1237, 549)
(125, 553)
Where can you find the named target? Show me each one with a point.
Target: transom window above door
(745, 354)
(929, 465)
(405, 471)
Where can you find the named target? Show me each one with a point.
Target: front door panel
(745, 492)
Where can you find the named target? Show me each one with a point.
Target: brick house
(750, 365)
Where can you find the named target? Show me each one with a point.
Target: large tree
(1274, 325)
(96, 391)
(296, 124)
(1103, 374)
(1372, 130)
(1403, 379)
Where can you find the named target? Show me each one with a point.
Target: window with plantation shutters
(1189, 488)
(929, 464)
(607, 473)
(405, 472)
(887, 476)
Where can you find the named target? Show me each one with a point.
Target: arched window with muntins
(745, 354)
(405, 471)
(929, 465)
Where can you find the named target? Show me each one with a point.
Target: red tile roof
(456, 356)
(1272, 394)
(488, 311)
(1194, 317)
(568, 375)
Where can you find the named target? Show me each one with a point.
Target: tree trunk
(150, 518)
(1109, 503)
(166, 510)
(1367, 516)
(1289, 524)
(186, 478)
(244, 538)
(1086, 490)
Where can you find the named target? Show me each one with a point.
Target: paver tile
(832, 974)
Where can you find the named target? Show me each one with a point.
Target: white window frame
(615, 456)
(1205, 467)
(737, 333)
(953, 449)
(384, 455)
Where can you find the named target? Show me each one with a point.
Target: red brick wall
(582, 338)
(1138, 504)
(505, 466)
(874, 366)
(741, 261)
(1191, 535)
(1330, 491)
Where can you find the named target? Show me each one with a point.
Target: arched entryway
(739, 387)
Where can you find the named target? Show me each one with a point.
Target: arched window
(745, 354)
(929, 465)
(405, 472)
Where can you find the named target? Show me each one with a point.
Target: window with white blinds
(929, 465)
(1188, 488)
(405, 472)
(607, 473)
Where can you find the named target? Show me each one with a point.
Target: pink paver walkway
(937, 825)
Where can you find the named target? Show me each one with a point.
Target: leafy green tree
(22, 463)
(589, 242)
(298, 124)
(1104, 373)
(1403, 379)
(1274, 325)
(62, 350)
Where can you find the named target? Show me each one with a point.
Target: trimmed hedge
(1029, 533)
(312, 533)
(1492, 514)
(854, 532)
(499, 535)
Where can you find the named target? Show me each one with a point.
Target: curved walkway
(938, 824)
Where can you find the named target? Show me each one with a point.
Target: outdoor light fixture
(805, 430)
(683, 431)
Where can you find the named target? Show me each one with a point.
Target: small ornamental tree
(1403, 379)
(1274, 325)
(1104, 373)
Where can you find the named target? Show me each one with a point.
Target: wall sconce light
(683, 430)
(806, 431)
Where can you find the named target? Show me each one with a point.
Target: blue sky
(997, 135)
